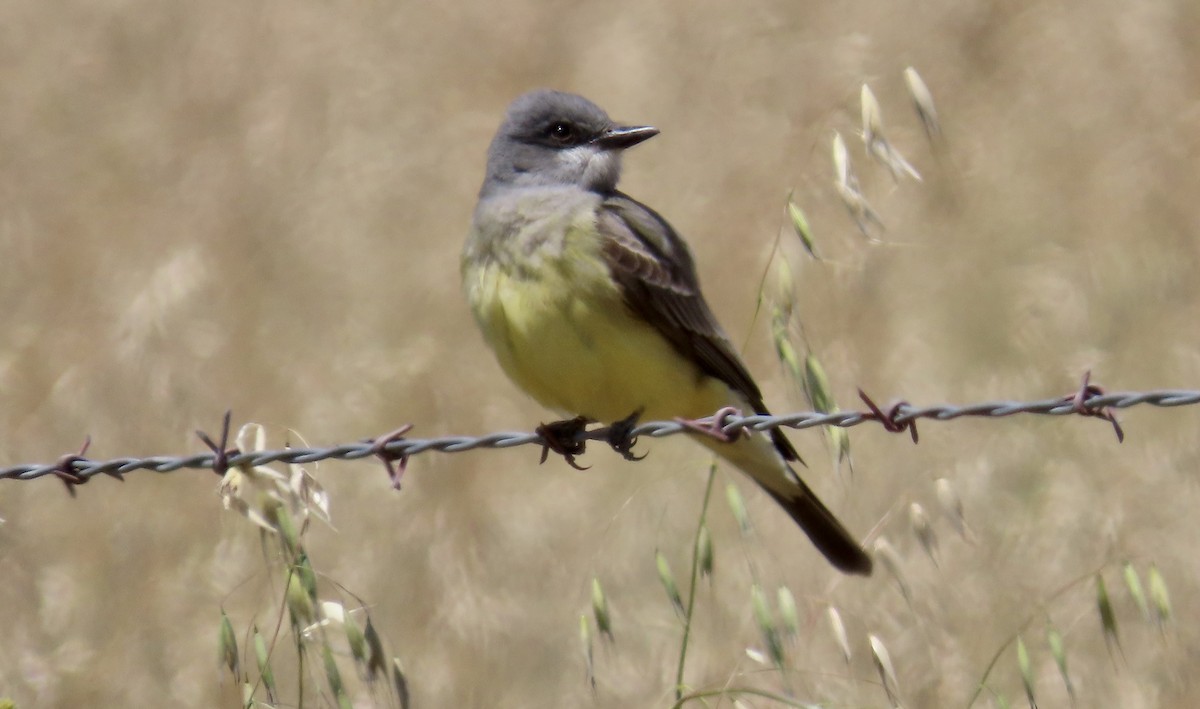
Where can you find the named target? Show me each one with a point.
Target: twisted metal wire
(75, 469)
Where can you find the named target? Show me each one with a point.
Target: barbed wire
(569, 438)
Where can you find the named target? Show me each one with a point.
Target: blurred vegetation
(260, 207)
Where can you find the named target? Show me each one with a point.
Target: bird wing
(657, 277)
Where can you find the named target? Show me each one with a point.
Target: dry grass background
(259, 206)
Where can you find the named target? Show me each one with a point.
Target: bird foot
(569, 437)
(564, 438)
(620, 436)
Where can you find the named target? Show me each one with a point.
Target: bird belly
(563, 333)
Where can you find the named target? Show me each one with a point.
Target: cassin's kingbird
(592, 304)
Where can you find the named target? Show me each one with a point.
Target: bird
(592, 305)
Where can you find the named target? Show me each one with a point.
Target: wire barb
(1090, 400)
(891, 421)
(394, 461)
(65, 464)
(716, 426)
(221, 452)
(1080, 400)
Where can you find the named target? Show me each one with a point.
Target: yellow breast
(560, 329)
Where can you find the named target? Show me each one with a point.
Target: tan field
(260, 207)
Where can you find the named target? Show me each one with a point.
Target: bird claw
(564, 438)
(620, 436)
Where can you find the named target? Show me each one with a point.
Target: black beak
(622, 137)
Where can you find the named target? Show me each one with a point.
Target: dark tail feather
(825, 531)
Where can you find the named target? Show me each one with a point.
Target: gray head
(555, 138)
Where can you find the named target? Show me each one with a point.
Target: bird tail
(758, 458)
(825, 531)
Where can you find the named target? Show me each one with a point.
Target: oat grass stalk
(695, 575)
(1104, 608)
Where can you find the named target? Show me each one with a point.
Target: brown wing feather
(655, 271)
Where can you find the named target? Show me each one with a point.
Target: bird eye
(561, 132)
